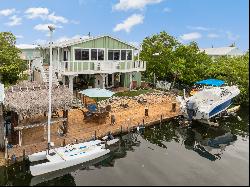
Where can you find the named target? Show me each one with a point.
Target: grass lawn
(127, 93)
(133, 93)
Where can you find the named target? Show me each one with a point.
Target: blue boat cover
(212, 82)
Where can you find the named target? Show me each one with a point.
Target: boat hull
(61, 164)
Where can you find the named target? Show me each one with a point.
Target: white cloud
(44, 27)
(232, 36)
(14, 21)
(19, 36)
(167, 10)
(7, 12)
(127, 24)
(213, 35)
(191, 36)
(134, 4)
(56, 19)
(201, 28)
(38, 12)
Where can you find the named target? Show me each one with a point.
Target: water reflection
(207, 142)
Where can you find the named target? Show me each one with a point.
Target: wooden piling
(173, 107)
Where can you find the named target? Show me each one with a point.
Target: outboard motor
(190, 109)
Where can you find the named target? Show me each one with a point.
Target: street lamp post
(51, 28)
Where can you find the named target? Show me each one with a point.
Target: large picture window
(81, 54)
(129, 54)
(93, 54)
(78, 54)
(110, 55)
(123, 54)
(100, 54)
(120, 55)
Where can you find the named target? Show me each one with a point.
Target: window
(93, 54)
(100, 54)
(85, 54)
(116, 55)
(110, 55)
(123, 54)
(129, 55)
(77, 54)
(81, 54)
(120, 55)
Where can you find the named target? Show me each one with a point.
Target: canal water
(166, 154)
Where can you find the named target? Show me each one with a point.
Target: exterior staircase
(45, 76)
(44, 71)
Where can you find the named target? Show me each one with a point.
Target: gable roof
(221, 51)
(26, 46)
(75, 41)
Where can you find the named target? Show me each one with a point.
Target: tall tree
(170, 60)
(11, 65)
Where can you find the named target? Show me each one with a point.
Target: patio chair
(92, 107)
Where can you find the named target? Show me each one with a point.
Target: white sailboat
(70, 155)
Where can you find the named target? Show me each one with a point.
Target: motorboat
(208, 102)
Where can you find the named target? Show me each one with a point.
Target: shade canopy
(211, 82)
(97, 92)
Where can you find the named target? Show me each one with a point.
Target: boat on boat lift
(208, 102)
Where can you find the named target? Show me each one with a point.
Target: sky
(216, 23)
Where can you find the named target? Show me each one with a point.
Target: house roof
(221, 51)
(30, 98)
(75, 41)
(26, 46)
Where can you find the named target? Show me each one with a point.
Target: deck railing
(88, 67)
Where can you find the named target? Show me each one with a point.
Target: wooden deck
(2, 160)
(82, 130)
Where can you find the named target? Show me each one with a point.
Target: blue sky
(208, 22)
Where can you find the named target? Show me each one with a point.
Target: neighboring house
(222, 51)
(29, 53)
(100, 62)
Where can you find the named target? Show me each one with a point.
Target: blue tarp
(211, 82)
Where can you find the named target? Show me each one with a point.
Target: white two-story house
(100, 62)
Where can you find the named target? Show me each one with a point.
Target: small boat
(208, 102)
(70, 155)
(49, 176)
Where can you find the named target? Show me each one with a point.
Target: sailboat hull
(61, 164)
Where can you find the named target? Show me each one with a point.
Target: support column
(104, 75)
(71, 82)
(63, 79)
(130, 80)
(65, 123)
(113, 79)
(2, 131)
(20, 134)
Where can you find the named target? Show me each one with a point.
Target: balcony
(90, 67)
